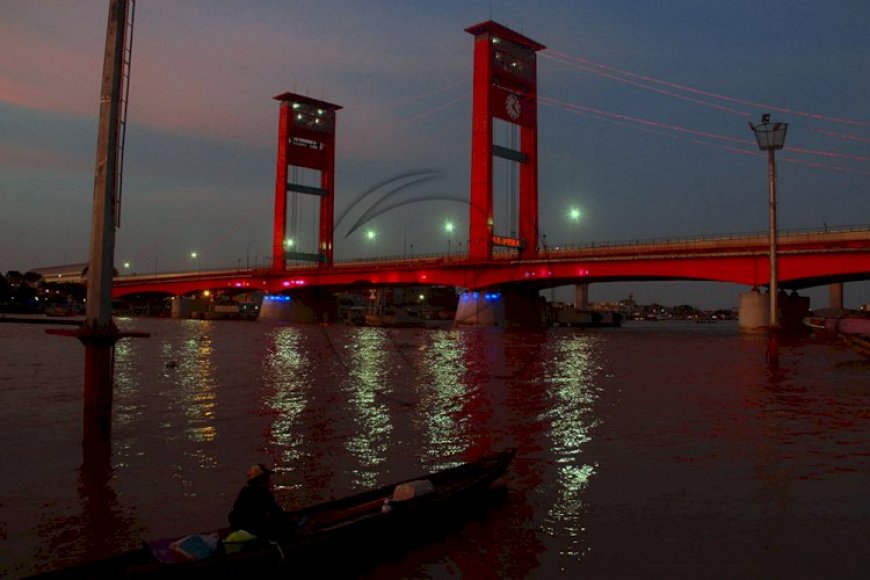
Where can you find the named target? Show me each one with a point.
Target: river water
(660, 449)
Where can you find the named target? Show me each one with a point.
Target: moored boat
(852, 327)
(322, 539)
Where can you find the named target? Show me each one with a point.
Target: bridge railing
(440, 258)
(733, 237)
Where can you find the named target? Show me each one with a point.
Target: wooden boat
(339, 537)
(852, 327)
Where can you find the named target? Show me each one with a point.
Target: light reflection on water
(365, 357)
(572, 372)
(288, 374)
(444, 394)
(673, 444)
(198, 387)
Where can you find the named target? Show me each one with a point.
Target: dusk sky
(643, 111)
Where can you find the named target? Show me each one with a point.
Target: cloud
(50, 56)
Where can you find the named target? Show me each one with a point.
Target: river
(660, 449)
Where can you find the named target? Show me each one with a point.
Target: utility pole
(98, 315)
(770, 137)
(98, 333)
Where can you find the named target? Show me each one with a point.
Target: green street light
(371, 235)
(448, 227)
(574, 214)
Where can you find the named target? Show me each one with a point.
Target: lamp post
(574, 214)
(372, 236)
(156, 257)
(289, 249)
(448, 227)
(248, 254)
(770, 137)
(405, 240)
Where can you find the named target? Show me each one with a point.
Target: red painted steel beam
(306, 138)
(749, 269)
(279, 231)
(480, 218)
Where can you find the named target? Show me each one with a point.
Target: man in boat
(255, 509)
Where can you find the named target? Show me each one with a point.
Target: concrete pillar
(835, 296)
(276, 307)
(581, 296)
(303, 307)
(511, 305)
(754, 313)
(180, 307)
(480, 309)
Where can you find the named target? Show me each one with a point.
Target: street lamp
(770, 137)
(371, 235)
(574, 214)
(448, 227)
(405, 240)
(155, 261)
(248, 254)
(289, 247)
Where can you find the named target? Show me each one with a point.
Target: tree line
(29, 292)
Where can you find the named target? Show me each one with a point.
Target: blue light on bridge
(487, 297)
(276, 298)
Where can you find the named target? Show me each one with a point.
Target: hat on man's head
(258, 470)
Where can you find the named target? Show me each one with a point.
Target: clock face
(512, 106)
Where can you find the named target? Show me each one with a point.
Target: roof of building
(65, 272)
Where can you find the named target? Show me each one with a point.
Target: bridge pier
(180, 307)
(307, 307)
(754, 312)
(184, 307)
(835, 296)
(480, 309)
(581, 296)
(753, 315)
(506, 306)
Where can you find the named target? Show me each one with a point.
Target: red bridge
(505, 91)
(806, 259)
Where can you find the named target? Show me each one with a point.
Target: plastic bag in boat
(237, 540)
(195, 546)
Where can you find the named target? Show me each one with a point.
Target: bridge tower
(505, 87)
(306, 138)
